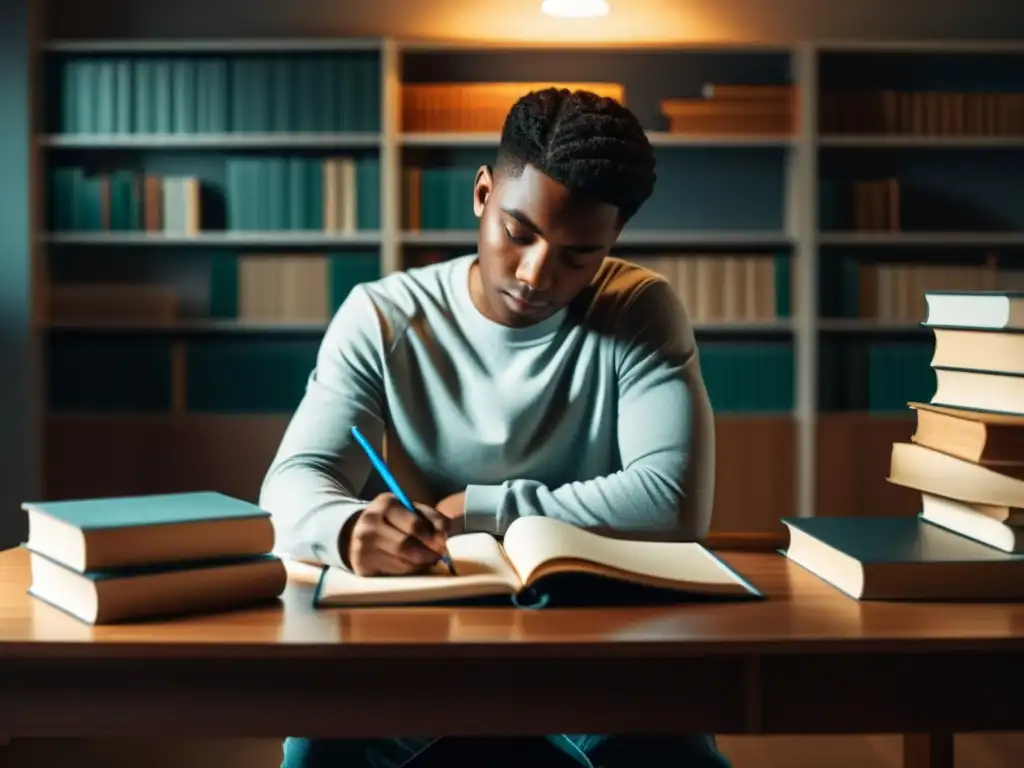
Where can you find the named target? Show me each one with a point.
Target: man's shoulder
(622, 290)
(398, 299)
(409, 287)
(619, 278)
(633, 307)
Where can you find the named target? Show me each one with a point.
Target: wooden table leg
(927, 750)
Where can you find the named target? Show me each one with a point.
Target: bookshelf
(807, 369)
(932, 135)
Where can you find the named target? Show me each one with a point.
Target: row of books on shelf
(258, 288)
(891, 205)
(477, 107)
(437, 198)
(721, 108)
(895, 293)
(139, 373)
(182, 94)
(259, 373)
(728, 109)
(298, 288)
(861, 205)
(261, 289)
(728, 287)
(123, 200)
(334, 194)
(927, 113)
(340, 92)
(872, 375)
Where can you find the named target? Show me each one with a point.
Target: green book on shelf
(902, 558)
(129, 531)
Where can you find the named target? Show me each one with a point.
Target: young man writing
(539, 376)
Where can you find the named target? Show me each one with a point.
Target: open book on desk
(544, 562)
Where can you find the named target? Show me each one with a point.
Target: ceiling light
(576, 9)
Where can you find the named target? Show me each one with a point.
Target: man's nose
(535, 267)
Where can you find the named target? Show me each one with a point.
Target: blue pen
(382, 469)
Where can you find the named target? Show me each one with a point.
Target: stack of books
(128, 558)
(966, 456)
(965, 459)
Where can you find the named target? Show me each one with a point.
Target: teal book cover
(127, 511)
(900, 540)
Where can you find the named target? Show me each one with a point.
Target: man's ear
(483, 185)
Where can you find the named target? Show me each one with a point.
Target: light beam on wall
(577, 9)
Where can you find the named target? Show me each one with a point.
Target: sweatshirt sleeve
(663, 490)
(311, 488)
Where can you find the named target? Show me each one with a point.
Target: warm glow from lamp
(577, 9)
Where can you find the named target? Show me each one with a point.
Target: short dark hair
(589, 143)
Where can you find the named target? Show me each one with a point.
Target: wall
(18, 428)
(776, 20)
(665, 20)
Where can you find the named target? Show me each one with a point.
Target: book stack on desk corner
(965, 459)
(966, 456)
(112, 560)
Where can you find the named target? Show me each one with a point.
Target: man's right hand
(388, 539)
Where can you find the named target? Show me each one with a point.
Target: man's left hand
(454, 508)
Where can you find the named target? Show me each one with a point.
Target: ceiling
(521, 20)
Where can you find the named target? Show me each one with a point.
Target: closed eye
(514, 239)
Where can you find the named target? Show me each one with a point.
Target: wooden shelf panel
(853, 463)
(117, 455)
(755, 474)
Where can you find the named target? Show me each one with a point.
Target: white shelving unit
(657, 139)
(802, 186)
(214, 141)
(207, 239)
(635, 238)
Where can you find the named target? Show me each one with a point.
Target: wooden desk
(808, 660)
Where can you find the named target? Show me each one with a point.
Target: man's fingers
(405, 546)
(387, 564)
(417, 526)
(437, 520)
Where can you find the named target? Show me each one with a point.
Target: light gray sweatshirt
(597, 416)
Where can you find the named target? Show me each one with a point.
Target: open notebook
(547, 562)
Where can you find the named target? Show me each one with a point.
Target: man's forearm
(637, 501)
(309, 509)
(665, 489)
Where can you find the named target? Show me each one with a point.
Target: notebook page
(539, 545)
(479, 561)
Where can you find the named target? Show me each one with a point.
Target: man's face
(539, 245)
